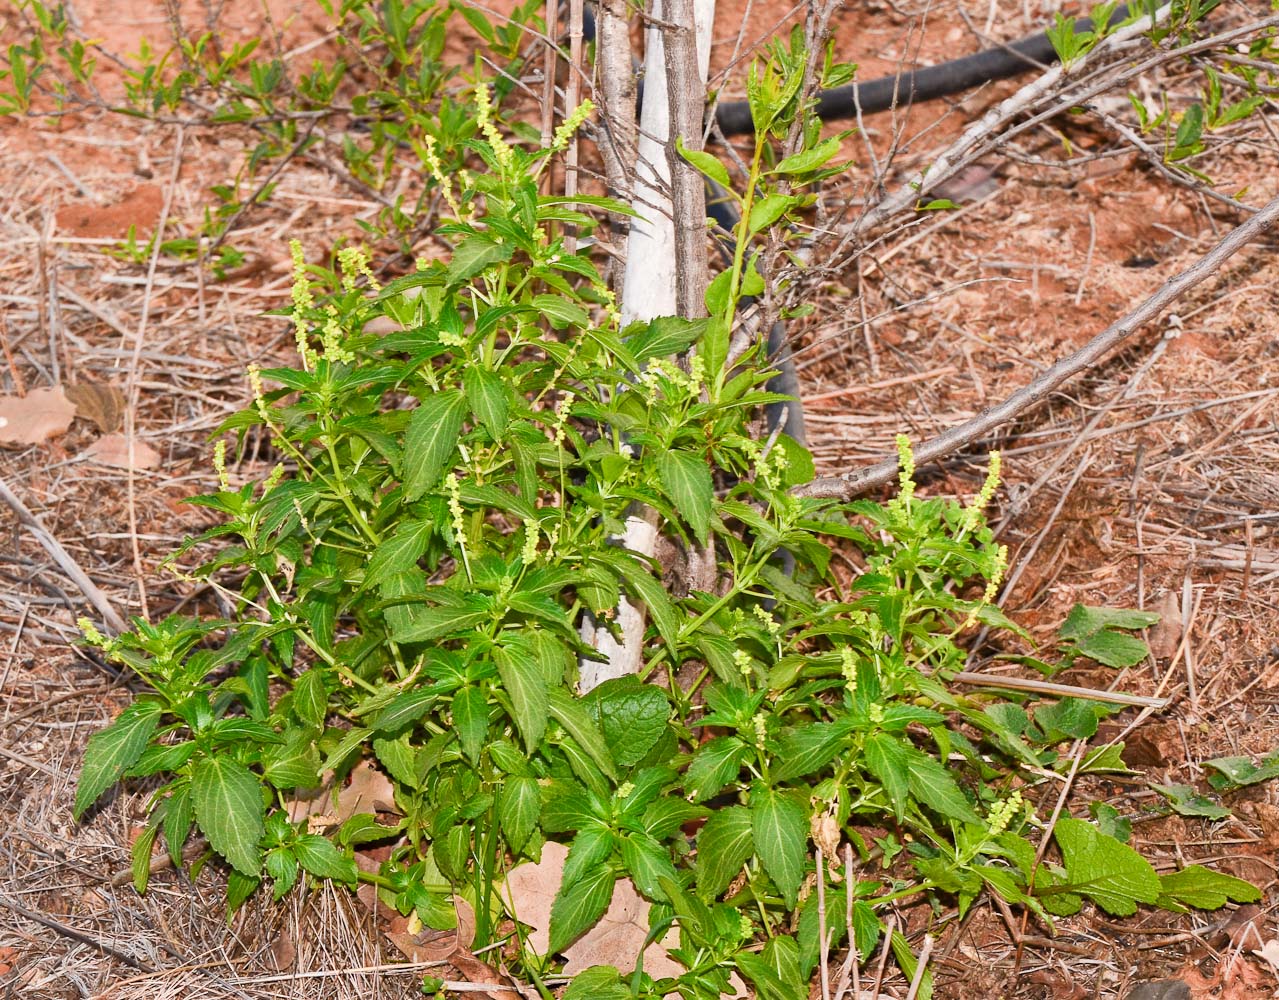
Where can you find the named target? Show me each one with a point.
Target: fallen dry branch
(850, 484)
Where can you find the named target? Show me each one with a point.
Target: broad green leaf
(318, 856)
(715, 763)
(525, 685)
(808, 159)
(1084, 621)
(282, 865)
(932, 785)
(1112, 874)
(1113, 649)
(578, 907)
(437, 623)
(1240, 771)
(434, 429)
(473, 255)
(600, 982)
(228, 806)
(706, 164)
(406, 708)
(178, 815)
(111, 752)
(1070, 718)
(632, 715)
(571, 714)
(471, 720)
(687, 480)
(140, 856)
(780, 830)
(1185, 801)
(768, 210)
(806, 749)
(518, 805)
(399, 759)
(1205, 889)
(399, 552)
(311, 698)
(486, 394)
(647, 862)
(724, 844)
(886, 759)
(560, 311)
(664, 336)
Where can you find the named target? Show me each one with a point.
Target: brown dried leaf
(616, 940)
(1269, 953)
(422, 944)
(114, 450)
(283, 952)
(35, 417)
(367, 791)
(103, 404)
(1165, 636)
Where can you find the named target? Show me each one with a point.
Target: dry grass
(1153, 482)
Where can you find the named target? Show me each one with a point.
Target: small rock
(1160, 989)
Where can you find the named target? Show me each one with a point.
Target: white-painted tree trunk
(650, 291)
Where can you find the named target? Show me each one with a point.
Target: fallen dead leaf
(617, 938)
(284, 953)
(1165, 636)
(35, 417)
(103, 404)
(1269, 953)
(113, 450)
(427, 945)
(367, 791)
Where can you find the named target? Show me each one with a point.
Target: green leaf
(473, 255)
(399, 552)
(664, 336)
(715, 763)
(1241, 771)
(932, 786)
(404, 709)
(1112, 874)
(471, 720)
(706, 164)
(322, 859)
(687, 480)
(311, 698)
(600, 982)
(1185, 801)
(486, 394)
(560, 311)
(632, 715)
(113, 751)
(1085, 621)
(1113, 649)
(178, 815)
(431, 439)
(579, 906)
(1070, 718)
(647, 861)
(886, 758)
(525, 685)
(399, 759)
(228, 806)
(806, 749)
(572, 715)
(780, 829)
(724, 844)
(519, 803)
(808, 160)
(1205, 889)
(140, 856)
(768, 210)
(282, 865)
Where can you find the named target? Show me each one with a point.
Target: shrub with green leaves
(414, 575)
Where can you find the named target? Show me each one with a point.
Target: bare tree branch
(853, 483)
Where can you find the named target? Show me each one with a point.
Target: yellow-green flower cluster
(436, 168)
(459, 517)
(561, 416)
(93, 637)
(355, 264)
(742, 660)
(664, 375)
(848, 668)
(770, 623)
(484, 118)
(331, 339)
(571, 124)
(219, 465)
(273, 480)
(259, 394)
(982, 500)
(1002, 813)
(303, 303)
(906, 460)
(761, 729)
(529, 552)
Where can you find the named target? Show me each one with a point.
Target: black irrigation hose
(883, 94)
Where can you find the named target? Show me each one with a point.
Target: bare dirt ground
(1152, 482)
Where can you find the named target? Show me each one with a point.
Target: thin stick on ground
(851, 484)
(63, 558)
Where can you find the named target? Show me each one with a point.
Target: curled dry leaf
(114, 450)
(103, 404)
(1165, 636)
(367, 791)
(427, 945)
(35, 417)
(1269, 953)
